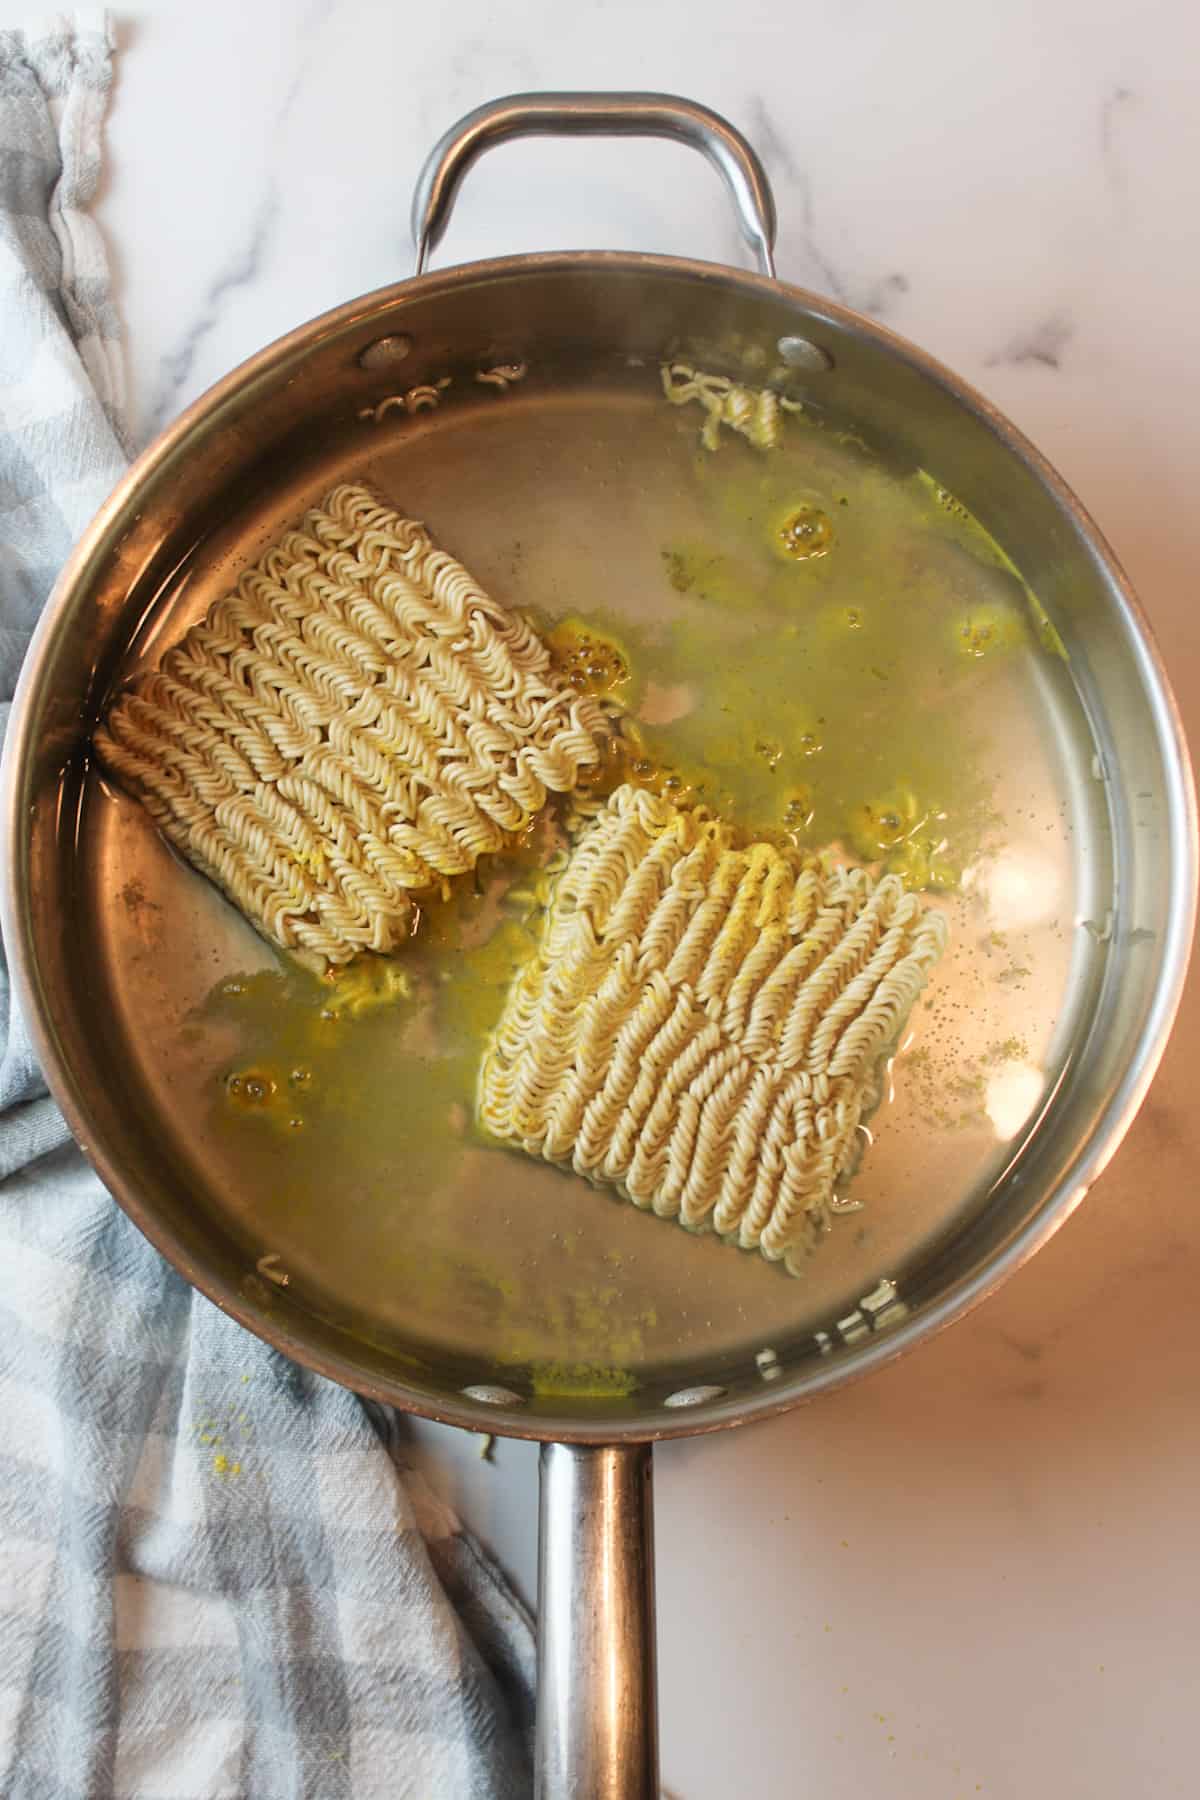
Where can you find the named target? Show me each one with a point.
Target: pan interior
(453, 1265)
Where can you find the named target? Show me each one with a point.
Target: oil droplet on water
(264, 1092)
(878, 826)
(591, 660)
(798, 808)
(986, 630)
(805, 533)
(250, 1089)
(627, 756)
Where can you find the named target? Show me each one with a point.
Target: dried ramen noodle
(703, 1025)
(355, 723)
(754, 413)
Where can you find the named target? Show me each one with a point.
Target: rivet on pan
(695, 1396)
(768, 1365)
(493, 1396)
(883, 1305)
(799, 353)
(879, 1297)
(385, 352)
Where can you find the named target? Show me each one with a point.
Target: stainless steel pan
(115, 945)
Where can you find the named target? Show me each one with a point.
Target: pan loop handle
(595, 115)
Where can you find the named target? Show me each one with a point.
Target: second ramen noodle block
(703, 1025)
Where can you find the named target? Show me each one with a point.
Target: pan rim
(1089, 1159)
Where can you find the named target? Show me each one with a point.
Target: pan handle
(597, 1718)
(595, 115)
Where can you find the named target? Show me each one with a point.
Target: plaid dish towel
(216, 1578)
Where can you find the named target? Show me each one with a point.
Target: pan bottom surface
(326, 1134)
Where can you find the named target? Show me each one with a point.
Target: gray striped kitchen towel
(216, 1576)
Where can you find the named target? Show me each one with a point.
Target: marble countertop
(976, 1573)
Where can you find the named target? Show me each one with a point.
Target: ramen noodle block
(355, 723)
(703, 1024)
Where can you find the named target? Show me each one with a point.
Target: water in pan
(824, 647)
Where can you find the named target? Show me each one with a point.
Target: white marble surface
(977, 1573)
